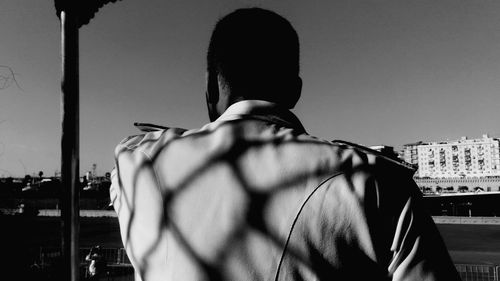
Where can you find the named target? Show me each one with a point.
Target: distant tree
(40, 174)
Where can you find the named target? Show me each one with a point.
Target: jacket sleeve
(405, 239)
(137, 200)
(418, 251)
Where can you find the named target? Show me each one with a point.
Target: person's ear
(295, 92)
(212, 93)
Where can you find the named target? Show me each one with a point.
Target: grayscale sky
(374, 72)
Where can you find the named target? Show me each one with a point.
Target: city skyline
(374, 72)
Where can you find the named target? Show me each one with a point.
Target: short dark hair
(257, 53)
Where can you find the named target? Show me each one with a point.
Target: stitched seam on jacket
(297, 218)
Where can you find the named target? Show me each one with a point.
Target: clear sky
(374, 72)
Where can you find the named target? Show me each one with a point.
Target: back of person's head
(256, 52)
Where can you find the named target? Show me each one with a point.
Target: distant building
(409, 153)
(386, 151)
(463, 158)
(389, 152)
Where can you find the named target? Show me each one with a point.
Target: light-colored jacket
(252, 196)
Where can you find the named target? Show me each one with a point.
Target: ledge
(466, 220)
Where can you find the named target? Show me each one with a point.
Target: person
(97, 263)
(252, 196)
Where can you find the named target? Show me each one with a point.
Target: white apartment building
(463, 158)
(409, 153)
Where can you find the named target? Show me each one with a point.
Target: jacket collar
(261, 110)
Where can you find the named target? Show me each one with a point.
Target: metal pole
(70, 147)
